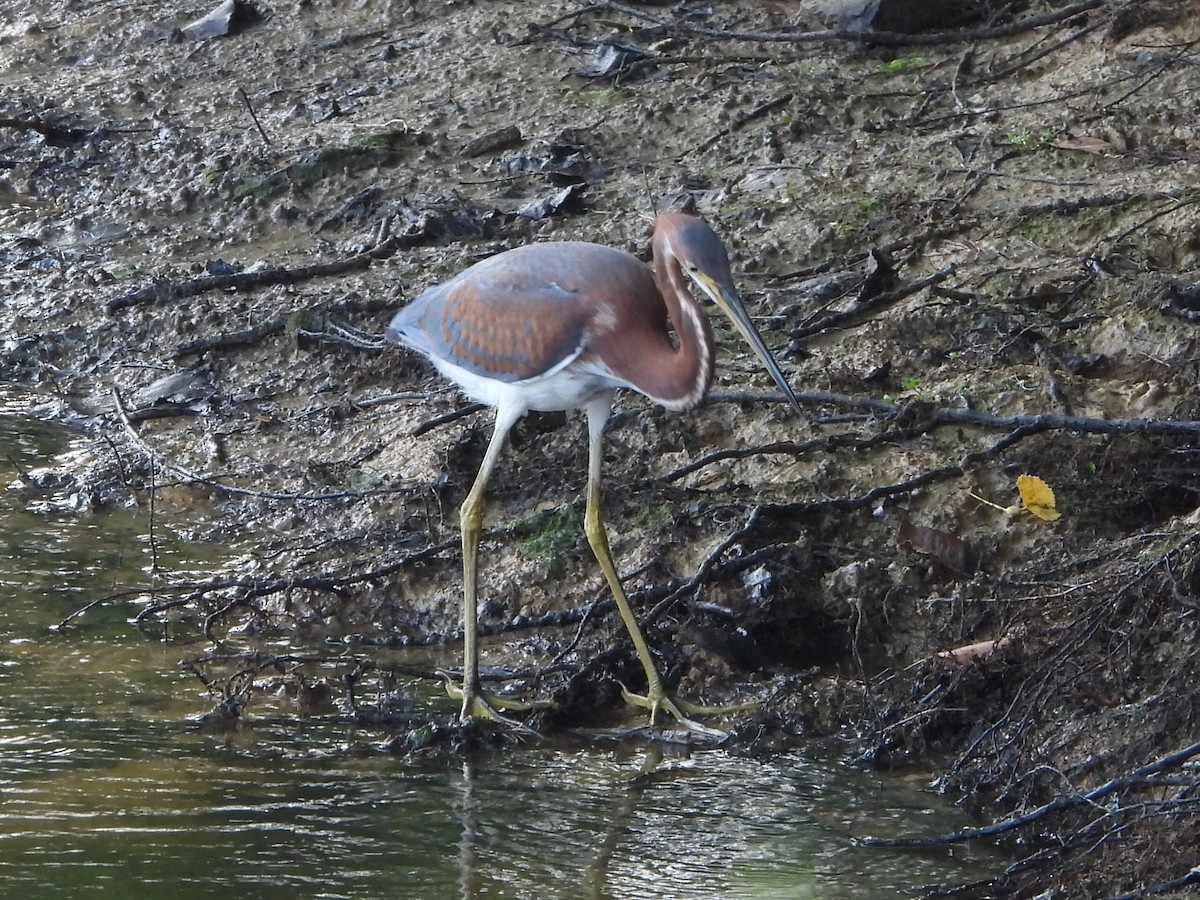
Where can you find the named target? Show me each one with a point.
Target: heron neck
(686, 378)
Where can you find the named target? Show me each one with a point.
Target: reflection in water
(572, 824)
(625, 800)
(468, 815)
(104, 793)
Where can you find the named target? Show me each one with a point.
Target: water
(106, 792)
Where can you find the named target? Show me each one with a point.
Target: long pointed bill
(730, 303)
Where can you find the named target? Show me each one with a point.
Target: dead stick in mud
(665, 596)
(1064, 207)
(1158, 70)
(778, 448)
(257, 661)
(246, 337)
(867, 405)
(757, 113)
(1041, 683)
(1026, 61)
(250, 109)
(940, 120)
(703, 570)
(920, 239)
(446, 418)
(929, 419)
(882, 38)
(873, 496)
(264, 586)
(164, 290)
(864, 311)
(196, 478)
(1137, 778)
(49, 130)
(1057, 422)
(86, 608)
(1186, 880)
(1166, 211)
(1031, 179)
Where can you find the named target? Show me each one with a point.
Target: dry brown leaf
(1083, 144)
(948, 549)
(960, 656)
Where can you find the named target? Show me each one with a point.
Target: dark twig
(164, 290)
(1064, 207)
(704, 569)
(52, 132)
(742, 121)
(344, 336)
(807, 398)
(195, 478)
(1138, 777)
(585, 617)
(1032, 179)
(957, 226)
(1029, 60)
(779, 448)
(881, 38)
(1191, 878)
(1165, 211)
(861, 312)
(402, 397)
(250, 109)
(86, 608)
(928, 419)
(253, 588)
(1052, 100)
(247, 337)
(446, 418)
(1158, 70)
(1056, 422)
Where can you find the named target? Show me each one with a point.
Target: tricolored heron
(563, 325)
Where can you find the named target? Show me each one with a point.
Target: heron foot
(487, 706)
(681, 710)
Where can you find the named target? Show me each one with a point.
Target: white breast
(568, 387)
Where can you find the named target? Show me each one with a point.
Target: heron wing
(515, 316)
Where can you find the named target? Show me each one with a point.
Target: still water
(105, 791)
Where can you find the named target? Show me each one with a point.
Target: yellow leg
(474, 701)
(656, 697)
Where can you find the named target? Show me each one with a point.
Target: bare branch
(881, 38)
(192, 477)
(1137, 778)
(163, 290)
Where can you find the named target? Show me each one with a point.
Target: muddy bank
(976, 257)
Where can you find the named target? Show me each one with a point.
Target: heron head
(694, 247)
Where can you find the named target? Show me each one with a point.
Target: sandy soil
(976, 257)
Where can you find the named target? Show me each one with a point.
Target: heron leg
(656, 697)
(474, 701)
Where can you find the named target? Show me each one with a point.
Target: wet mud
(976, 255)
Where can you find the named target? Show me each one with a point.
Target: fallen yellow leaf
(1037, 497)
